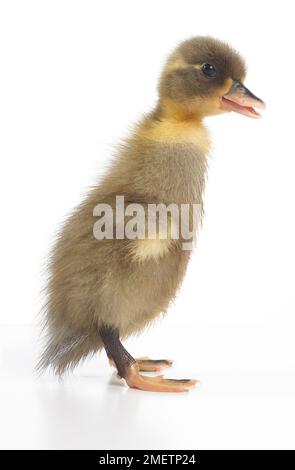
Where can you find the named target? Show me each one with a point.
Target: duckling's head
(203, 77)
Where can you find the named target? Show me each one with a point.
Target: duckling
(102, 289)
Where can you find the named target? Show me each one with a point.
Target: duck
(109, 276)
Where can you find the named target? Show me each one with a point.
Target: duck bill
(241, 100)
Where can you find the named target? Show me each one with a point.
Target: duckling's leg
(128, 368)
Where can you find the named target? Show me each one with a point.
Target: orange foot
(155, 384)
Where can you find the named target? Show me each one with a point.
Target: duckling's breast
(172, 160)
(172, 172)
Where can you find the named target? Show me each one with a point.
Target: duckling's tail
(64, 351)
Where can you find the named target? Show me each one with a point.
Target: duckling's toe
(146, 364)
(156, 384)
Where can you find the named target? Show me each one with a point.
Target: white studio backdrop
(74, 78)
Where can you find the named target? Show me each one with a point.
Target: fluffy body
(95, 282)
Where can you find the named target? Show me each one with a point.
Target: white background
(74, 77)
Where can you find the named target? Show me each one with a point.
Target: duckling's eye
(209, 70)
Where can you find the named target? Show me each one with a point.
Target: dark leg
(128, 368)
(115, 350)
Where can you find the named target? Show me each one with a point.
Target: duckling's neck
(173, 123)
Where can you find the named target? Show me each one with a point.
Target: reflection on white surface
(92, 409)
